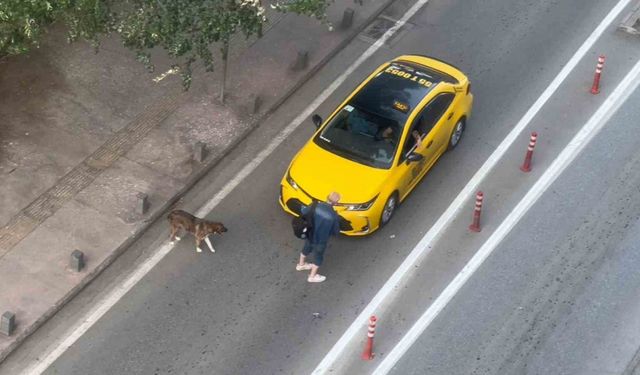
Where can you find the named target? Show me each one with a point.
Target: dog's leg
(209, 243)
(172, 237)
(198, 249)
(176, 234)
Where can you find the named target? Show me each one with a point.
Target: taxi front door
(410, 170)
(427, 136)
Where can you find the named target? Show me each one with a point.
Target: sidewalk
(83, 133)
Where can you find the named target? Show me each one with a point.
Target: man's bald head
(333, 198)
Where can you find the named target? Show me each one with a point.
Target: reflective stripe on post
(526, 166)
(367, 354)
(595, 88)
(475, 225)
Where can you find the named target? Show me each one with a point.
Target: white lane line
(424, 246)
(101, 308)
(577, 144)
(96, 312)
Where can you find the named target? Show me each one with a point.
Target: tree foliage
(187, 29)
(86, 19)
(22, 22)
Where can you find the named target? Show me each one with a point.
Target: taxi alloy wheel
(389, 209)
(456, 134)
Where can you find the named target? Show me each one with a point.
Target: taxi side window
(427, 119)
(432, 113)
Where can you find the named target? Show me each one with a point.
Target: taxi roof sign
(400, 106)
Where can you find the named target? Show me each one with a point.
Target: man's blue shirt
(325, 223)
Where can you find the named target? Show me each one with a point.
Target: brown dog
(200, 228)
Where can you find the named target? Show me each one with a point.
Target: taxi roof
(399, 85)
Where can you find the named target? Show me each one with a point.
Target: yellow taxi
(380, 141)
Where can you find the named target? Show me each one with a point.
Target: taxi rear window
(396, 91)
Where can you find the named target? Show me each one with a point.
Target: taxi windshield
(361, 136)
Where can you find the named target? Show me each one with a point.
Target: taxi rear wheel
(389, 209)
(456, 134)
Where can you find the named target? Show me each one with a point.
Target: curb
(192, 181)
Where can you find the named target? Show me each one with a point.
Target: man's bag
(301, 228)
(303, 225)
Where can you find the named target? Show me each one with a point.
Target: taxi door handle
(429, 143)
(450, 116)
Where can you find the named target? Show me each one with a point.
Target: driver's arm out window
(427, 119)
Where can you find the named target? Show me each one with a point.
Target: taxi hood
(318, 172)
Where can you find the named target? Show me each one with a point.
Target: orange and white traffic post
(367, 354)
(475, 225)
(526, 166)
(595, 88)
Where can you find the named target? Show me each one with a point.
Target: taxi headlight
(291, 181)
(359, 206)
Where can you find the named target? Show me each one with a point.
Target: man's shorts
(316, 249)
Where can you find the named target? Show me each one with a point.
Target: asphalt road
(561, 295)
(245, 310)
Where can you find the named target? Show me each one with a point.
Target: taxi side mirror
(317, 120)
(414, 157)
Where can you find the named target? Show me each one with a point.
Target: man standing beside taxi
(325, 224)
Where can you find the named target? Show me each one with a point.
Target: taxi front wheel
(456, 134)
(389, 209)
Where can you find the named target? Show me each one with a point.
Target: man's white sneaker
(316, 278)
(304, 267)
